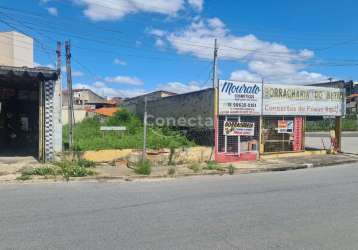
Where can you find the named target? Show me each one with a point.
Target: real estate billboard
(239, 98)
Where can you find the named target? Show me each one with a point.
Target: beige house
(16, 50)
(84, 100)
(83, 97)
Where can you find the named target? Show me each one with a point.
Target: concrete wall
(16, 50)
(132, 103)
(197, 105)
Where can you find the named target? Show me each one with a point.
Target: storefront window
(282, 134)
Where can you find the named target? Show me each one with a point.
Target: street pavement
(349, 143)
(302, 209)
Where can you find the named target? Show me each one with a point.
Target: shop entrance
(282, 134)
(19, 117)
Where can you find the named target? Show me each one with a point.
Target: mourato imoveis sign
(241, 98)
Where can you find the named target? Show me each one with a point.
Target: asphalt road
(349, 143)
(303, 209)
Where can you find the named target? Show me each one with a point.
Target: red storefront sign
(298, 134)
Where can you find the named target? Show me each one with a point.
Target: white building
(16, 50)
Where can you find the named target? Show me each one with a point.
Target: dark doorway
(19, 117)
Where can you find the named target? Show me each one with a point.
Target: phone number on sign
(241, 105)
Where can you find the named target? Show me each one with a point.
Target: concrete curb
(237, 172)
(164, 177)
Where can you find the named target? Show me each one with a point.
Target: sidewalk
(291, 163)
(105, 172)
(281, 164)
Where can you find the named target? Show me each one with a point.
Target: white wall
(16, 49)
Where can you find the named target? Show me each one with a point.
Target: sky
(131, 47)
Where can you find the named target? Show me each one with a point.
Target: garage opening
(19, 117)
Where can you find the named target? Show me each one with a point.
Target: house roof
(106, 111)
(41, 73)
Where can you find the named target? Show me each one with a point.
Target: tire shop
(254, 119)
(30, 124)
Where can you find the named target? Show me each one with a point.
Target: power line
(285, 55)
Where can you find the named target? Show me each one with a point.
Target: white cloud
(299, 77)
(157, 32)
(179, 88)
(99, 84)
(159, 43)
(124, 80)
(244, 75)
(50, 65)
(138, 43)
(98, 10)
(75, 73)
(120, 62)
(268, 60)
(52, 10)
(158, 35)
(198, 4)
(133, 92)
(101, 89)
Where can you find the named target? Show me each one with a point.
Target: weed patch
(231, 169)
(213, 165)
(87, 134)
(24, 177)
(143, 167)
(66, 169)
(171, 171)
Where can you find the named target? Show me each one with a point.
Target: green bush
(143, 167)
(348, 124)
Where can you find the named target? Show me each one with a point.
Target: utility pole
(59, 61)
(145, 130)
(70, 94)
(58, 100)
(215, 99)
(215, 64)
